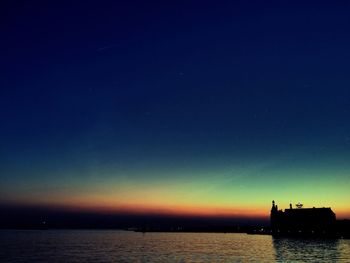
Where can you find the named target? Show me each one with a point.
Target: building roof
(310, 211)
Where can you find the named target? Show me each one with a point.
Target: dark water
(121, 246)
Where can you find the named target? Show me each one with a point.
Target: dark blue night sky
(142, 105)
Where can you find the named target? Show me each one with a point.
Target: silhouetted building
(303, 221)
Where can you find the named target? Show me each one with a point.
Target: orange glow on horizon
(172, 210)
(105, 206)
(155, 209)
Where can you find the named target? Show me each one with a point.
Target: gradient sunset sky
(175, 107)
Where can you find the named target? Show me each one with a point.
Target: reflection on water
(312, 250)
(121, 246)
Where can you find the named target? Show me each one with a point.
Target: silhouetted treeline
(24, 217)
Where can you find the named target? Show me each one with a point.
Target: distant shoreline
(249, 230)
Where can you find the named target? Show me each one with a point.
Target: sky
(175, 107)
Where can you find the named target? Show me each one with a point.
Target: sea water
(127, 246)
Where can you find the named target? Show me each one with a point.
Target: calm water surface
(122, 246)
